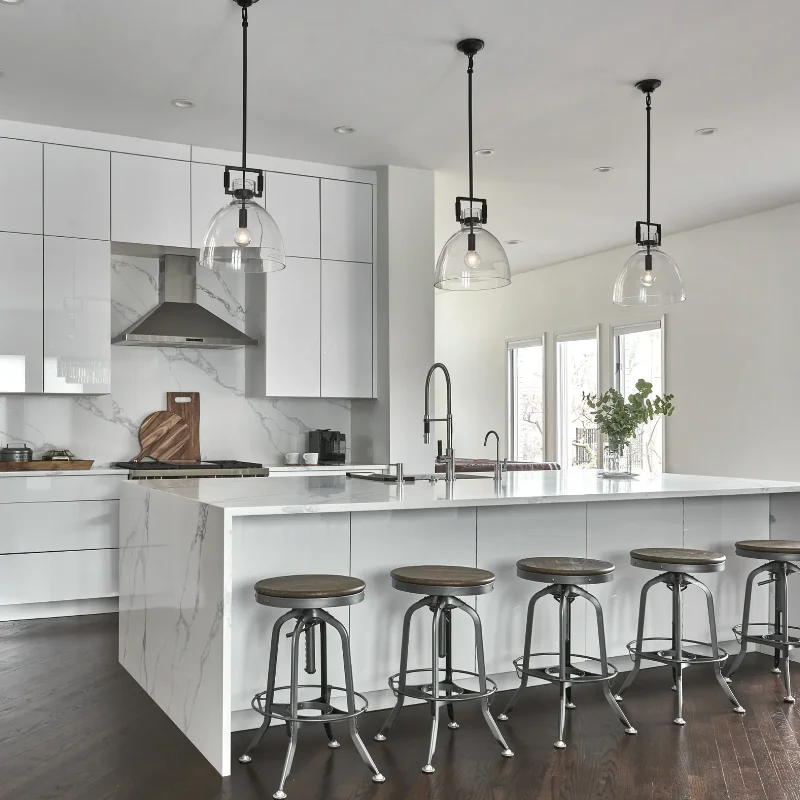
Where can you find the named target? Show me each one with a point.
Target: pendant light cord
(245, 24)
(647, 107)
(471, 240)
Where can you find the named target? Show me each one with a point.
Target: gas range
(149, 470)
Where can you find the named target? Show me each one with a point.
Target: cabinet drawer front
(46, 527)
(51, 577)
(48, 489)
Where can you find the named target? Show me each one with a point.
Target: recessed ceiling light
(344, 129)
(12, 2)
(706, 131)
(603, 169)
(181, 102)
(513, 241)
(484, 151)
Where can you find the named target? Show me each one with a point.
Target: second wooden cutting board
(187, 406)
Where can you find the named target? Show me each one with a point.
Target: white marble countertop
(299, 469)
(53, 473)
(324, 494)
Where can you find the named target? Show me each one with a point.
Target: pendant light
(243, 236)
(473, 258)
(650, 277)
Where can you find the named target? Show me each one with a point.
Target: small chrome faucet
(449, 457)
(498, 466)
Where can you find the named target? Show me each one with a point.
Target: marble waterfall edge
(174, 613)
(105, 427)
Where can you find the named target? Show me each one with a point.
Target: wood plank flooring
(75, 726)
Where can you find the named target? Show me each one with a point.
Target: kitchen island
(194, 638)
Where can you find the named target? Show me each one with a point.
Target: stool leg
(293, 701)
(776, 629)
(601, 636)
(434, 705)
(677, 645)
(246, 758)
(324, 685)
(782, 586)
(351, 698)
(712, 621)
(563, 618)
(568, 650)
(748, 596)
(447, 624)
(637, 659)
(479, 655)
(401, 684)
(527, 652)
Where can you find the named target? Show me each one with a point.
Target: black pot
(16, 453)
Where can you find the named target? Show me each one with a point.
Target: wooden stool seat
(568, 567)
(427, 576)
(770, 548)
(681, 558)
(310, 587)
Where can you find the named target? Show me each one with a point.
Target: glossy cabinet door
(293, 201)
(346, 329)
(77, 192)
(21, 186)
(20, 314)
(150, 200)
(346, 221)
(77, 316)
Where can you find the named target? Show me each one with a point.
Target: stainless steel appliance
(331, 446)
(148, 470)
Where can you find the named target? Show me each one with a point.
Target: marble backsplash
(105, 427)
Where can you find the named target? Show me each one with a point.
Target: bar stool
(677, 563)
(308, 596)
(442, 586)
(566, 576)
(781, 553)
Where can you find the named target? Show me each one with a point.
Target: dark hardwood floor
(75, 726)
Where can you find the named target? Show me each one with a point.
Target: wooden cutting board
(38, 466)
(187, 406)
(162, 435)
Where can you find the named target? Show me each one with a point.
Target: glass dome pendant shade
(243, 236)
(650, 277)
(472, 259)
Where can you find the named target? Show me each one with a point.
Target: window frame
(616, 364)
(572, 335)
(512, 345)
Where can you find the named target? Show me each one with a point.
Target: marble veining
(105, 427)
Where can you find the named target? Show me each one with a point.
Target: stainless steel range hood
(177, 320)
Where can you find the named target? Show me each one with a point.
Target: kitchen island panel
(505, 535)
(381, 542)
(612, 531)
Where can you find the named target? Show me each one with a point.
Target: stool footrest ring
(449, 691)
(666, 655)
(325, 711)
(575, 675)
(770, 639)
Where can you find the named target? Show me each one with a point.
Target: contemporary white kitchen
(398, 402)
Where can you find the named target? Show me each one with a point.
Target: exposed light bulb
(242, 237)
(648, 278)
(472, 259)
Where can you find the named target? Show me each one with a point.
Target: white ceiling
(554, 97)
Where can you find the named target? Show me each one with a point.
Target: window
(577, 374)
(638, 354)
(526, 400)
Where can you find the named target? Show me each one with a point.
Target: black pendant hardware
(244, 194)
(470, 47)
(648, 233)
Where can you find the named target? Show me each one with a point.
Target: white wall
(731, 348)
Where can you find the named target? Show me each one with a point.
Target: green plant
(619, 421)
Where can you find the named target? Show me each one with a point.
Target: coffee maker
(330, 445)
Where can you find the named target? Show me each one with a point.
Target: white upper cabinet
(20, 186)
(346, 221)
(150, 200)
(346, 329)
(20, 314)
(293, 201)
(77, 316)
(77, 192)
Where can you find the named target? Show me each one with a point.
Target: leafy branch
(619, 421)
